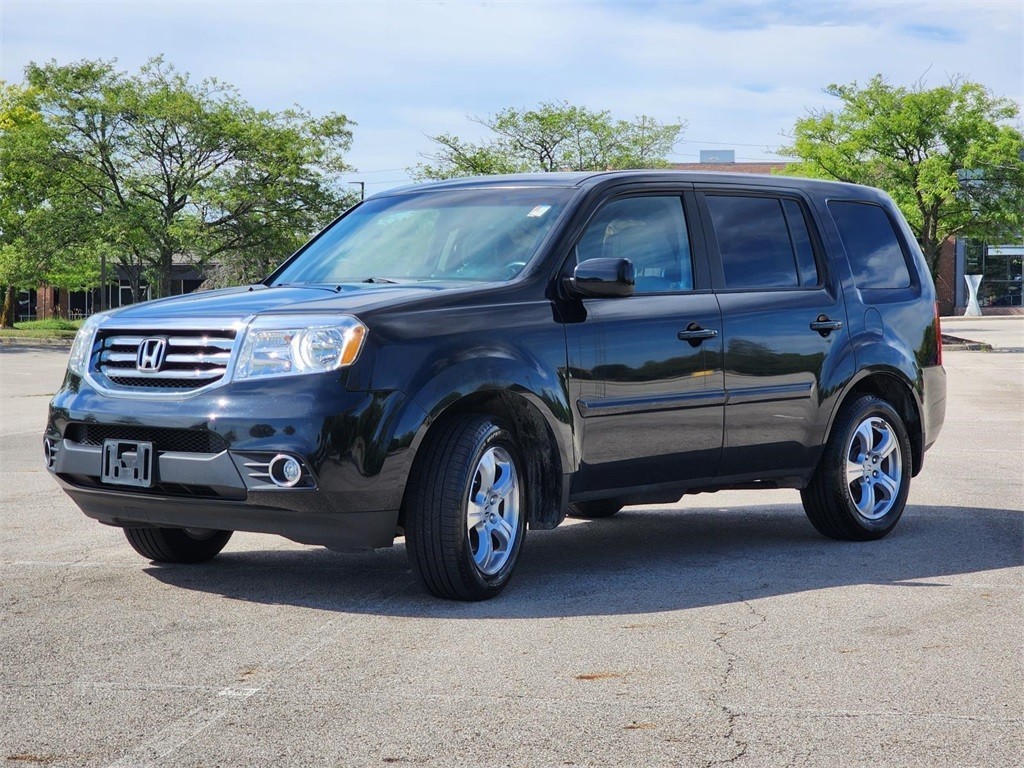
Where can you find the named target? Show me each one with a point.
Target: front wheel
(860, 487)
(465, 510)
(177, 545)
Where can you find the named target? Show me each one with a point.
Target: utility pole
(362, 189)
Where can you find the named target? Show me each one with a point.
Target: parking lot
(721, 630)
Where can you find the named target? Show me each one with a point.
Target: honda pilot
(459, 362)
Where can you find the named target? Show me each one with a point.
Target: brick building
(47, 301)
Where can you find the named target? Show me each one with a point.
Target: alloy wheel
(492, 510)
(874, 468)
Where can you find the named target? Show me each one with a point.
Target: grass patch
(50, 324)
(35, 333)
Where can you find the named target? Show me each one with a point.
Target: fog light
(285, 471)
(292, 471)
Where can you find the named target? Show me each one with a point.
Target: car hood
(239, 303)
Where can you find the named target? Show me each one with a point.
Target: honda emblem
(150, 356)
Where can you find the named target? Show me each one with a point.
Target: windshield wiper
(379, 280)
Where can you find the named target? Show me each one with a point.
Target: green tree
(951, 157)
(556, 136)
(46, 232)
(20, 123)
(181, 171)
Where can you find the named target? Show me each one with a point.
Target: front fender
(486, 374)
(439, 357)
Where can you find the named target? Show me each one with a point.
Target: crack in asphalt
(731, 657)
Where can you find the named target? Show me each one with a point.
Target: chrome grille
(193, 359)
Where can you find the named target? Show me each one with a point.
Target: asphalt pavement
(720, 630)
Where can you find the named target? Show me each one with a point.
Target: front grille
(192, 360)
(135, 381)
(162, 438)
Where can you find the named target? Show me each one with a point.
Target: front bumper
(354, 447)
(346, 532)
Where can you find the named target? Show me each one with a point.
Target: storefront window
(1001, 267)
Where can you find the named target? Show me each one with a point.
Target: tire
(859, 490)
(593, 510)
(466, 510)
(177, 545)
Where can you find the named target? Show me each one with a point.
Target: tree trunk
(931, 243)
(163, 285)
(163, 279)
(932, 250)
(133, 269)
(135, 283)
(104, 289)
(10, 304)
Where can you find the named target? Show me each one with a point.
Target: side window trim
(714, 253)
(792, 240)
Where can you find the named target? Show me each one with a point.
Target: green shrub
(50, 324)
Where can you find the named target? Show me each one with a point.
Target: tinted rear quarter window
(876, 256)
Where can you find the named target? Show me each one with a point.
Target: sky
(738, 73)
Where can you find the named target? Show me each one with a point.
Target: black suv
(459, 361)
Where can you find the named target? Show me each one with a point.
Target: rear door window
(876, 256)
(764, 242)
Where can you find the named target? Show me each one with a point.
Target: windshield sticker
(538, 211)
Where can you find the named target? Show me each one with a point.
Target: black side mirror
(603, 278)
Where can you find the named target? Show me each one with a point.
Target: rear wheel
(177, 545)
(593, 510)
(465, 510)
(861, 485)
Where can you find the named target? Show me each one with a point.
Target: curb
(966, 347)
(30, 341)
(955, 343)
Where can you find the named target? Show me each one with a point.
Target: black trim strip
(615, 405)
(799, 391)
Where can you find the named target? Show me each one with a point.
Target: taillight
(938, 336)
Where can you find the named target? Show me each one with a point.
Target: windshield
(480, 234)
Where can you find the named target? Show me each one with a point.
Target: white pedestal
(973, 309)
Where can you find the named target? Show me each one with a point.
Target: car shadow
(643, 560)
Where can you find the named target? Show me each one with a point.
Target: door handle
(824, 326)
(695, 334)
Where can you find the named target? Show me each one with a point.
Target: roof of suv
(583, 179)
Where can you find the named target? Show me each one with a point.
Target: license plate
(127, 462)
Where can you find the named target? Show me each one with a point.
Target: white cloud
(740, 72)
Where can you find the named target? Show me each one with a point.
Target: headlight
(283, 345)
(82, 345)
